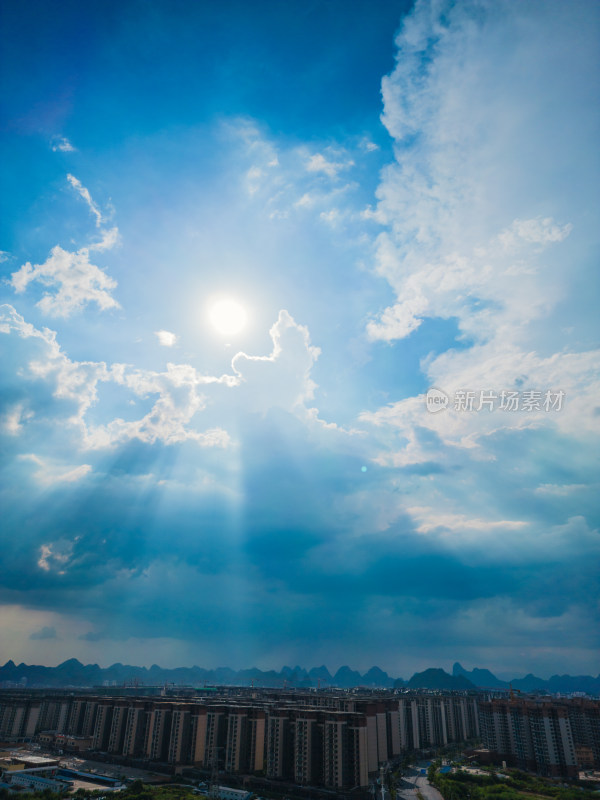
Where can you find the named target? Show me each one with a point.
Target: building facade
(331, 739)
(550, 736)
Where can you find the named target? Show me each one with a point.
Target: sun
(227, 316)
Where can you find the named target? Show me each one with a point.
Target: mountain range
(72, 673)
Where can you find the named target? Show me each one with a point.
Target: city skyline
(299, 333)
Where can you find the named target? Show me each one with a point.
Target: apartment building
(12, 720)
(118, 725)
(134, 741)
(336, 751)
(550, 736)
(88, 722)
(257, 734)
(585, 724)
(102, 725)
(308, 748)
(426, 721)
(158, 732)
(209, 735)
(179, 740)
(279, 741)
(336, 741)
(76, 715)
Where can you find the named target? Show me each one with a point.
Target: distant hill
(563, 684)
(72, 673)
(347, 678)
(322, 674)
(557, 684)
(438, 679)
(480, 677)
(378, 678)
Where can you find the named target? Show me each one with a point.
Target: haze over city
(299, 329)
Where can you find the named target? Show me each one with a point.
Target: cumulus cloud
(179, 397)
(180, 394)
(75, 385)
(166, 338)
(458, 195)
(480, 226)
(283, 378)
(76, 281)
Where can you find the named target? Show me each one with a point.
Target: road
(413, 782)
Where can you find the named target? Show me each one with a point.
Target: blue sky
(392, 197)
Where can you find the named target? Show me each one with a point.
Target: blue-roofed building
(29, 780)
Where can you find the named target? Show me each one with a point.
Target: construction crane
(512, 691)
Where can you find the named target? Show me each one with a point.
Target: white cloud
(75, 281)
(4, 256)
(431, 520)
(55, 556)
(109, 239)
(332, 217)
(78, 281)
(319, 163)
(260, 151)
(537, 231)
(73, 384)
(488, 368)
(400, 320)
(166, 338)
(170, 419)
(477, 287)
(83, 192)
(482, 225)
(306, 201)
(181, 397)
(295, 179)
(281, 379)
(561, 490)
(368, 146)
(49, 474)
(11, 422)
(62, 144)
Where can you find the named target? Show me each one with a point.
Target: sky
(299, 330)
